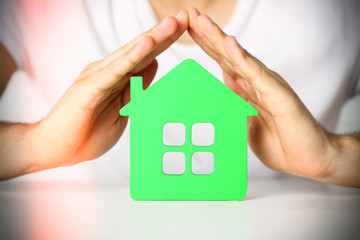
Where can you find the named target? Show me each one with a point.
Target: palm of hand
(284, 135)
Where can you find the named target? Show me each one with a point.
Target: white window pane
(202, 134)
(174, 134)
(202, 163)
(173, 162)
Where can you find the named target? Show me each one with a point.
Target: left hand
(284, 135)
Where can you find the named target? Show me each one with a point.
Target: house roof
(185, 84)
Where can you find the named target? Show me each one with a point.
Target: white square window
(174, 163)
(202, 134)
(174, 134)
(202, 163)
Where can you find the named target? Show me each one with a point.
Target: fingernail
(235, 39)
(209, 18)
(164, 20)
(178, 15)
(237, 42)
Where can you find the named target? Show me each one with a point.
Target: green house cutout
(209, 126)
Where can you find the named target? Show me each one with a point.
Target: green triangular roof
(186, 83)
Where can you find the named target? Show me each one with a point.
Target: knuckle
(91, 65)
(131, 59)
(113, 70)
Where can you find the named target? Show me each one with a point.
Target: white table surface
(286, 208)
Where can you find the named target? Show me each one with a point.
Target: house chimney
(136, 86)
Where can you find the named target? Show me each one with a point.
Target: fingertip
(170, 23)
(235, 42)
(183, 19)
(172, 19)
(205, 19)
(149, 40)
(229, 38)
(232, 46)
(146, 43)
(193, 14)
(181, 14)
(229, 42)
(194, 11)
(204, 22)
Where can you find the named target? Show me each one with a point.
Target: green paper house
(188, 137)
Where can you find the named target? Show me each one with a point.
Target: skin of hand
(284, 135)
(85, 122)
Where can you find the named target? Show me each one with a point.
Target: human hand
(85, 122)
(284, 135)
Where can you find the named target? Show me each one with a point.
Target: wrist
(33, 149)
(16, 155)
(345, 158)
(42, 147)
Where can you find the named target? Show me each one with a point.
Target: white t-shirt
(314, 45)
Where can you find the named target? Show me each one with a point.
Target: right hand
(85, 122)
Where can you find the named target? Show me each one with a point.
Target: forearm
(15, 150)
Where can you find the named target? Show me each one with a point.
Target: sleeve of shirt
(11, 31)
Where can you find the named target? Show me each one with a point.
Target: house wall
(227, 182)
